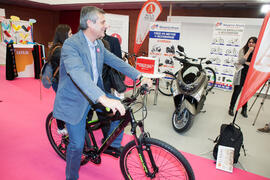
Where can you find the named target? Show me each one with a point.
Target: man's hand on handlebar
(113, 104)
(145, 80)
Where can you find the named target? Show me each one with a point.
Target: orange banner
(149, 13)
(259, 70)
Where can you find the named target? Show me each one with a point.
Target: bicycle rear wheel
(212, 78)
(170, 162)
(167, 84)
(59, 142)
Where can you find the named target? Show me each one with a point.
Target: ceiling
(127, 4)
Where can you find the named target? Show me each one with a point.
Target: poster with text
(119, 28)
(163, 41)
(224, 51)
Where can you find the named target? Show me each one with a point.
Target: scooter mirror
(208, 62)
(180, 48)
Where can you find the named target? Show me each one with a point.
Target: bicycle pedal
(93, 156)
(96, 160)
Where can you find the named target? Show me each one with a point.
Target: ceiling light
(265, 8)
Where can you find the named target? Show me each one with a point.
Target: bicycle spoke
(169, 166)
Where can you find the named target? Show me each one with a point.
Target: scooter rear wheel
(182, 121)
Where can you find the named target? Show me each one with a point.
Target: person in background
(244, 58)
(82, 59)
(112, 44)
(62, 32)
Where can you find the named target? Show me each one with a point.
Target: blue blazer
(70, 105)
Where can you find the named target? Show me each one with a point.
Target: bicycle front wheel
(170, 162)
(58, 141)
(167, 84)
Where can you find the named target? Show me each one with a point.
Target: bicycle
(142, 158)
(168, 84)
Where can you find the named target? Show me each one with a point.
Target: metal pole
(261, 105)
(235, 117)
(156, 91)
(257, 96)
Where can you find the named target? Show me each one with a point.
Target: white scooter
(193, 83)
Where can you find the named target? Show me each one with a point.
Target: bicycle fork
(139, 146)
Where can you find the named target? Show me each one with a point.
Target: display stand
(265, 96)
(148, 66)
(156, 77)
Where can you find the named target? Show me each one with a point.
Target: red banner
(259, 69)
(149, 13)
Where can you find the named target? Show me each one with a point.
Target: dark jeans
(237, 91)
(60, 124)
(76, 143)
(105, 127)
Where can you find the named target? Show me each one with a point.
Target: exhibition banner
(149, 13)
(119, 28)
(259, 69)
(224, 51)
(163, 41)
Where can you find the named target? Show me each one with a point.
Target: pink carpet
(26, 154)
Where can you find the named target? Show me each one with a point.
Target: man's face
(98, 28)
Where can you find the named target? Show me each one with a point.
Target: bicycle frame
(124, 120)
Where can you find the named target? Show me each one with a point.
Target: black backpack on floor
(230, 136)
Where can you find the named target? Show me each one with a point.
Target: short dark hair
(89, 13)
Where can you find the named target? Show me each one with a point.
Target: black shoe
(231, 112)
(115, 152)
(244, 113)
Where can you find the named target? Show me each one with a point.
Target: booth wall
(72, 17)
(46, 21)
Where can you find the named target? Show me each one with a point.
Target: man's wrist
(139, 77)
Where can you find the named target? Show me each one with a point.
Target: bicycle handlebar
(185, 60)
(126, 102)
(128, 55)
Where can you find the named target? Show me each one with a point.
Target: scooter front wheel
(182, 120)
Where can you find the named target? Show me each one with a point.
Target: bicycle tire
(212, 79)
(170, 162)
(167, 84)
(59, 142)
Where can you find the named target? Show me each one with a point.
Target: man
(82, 58)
